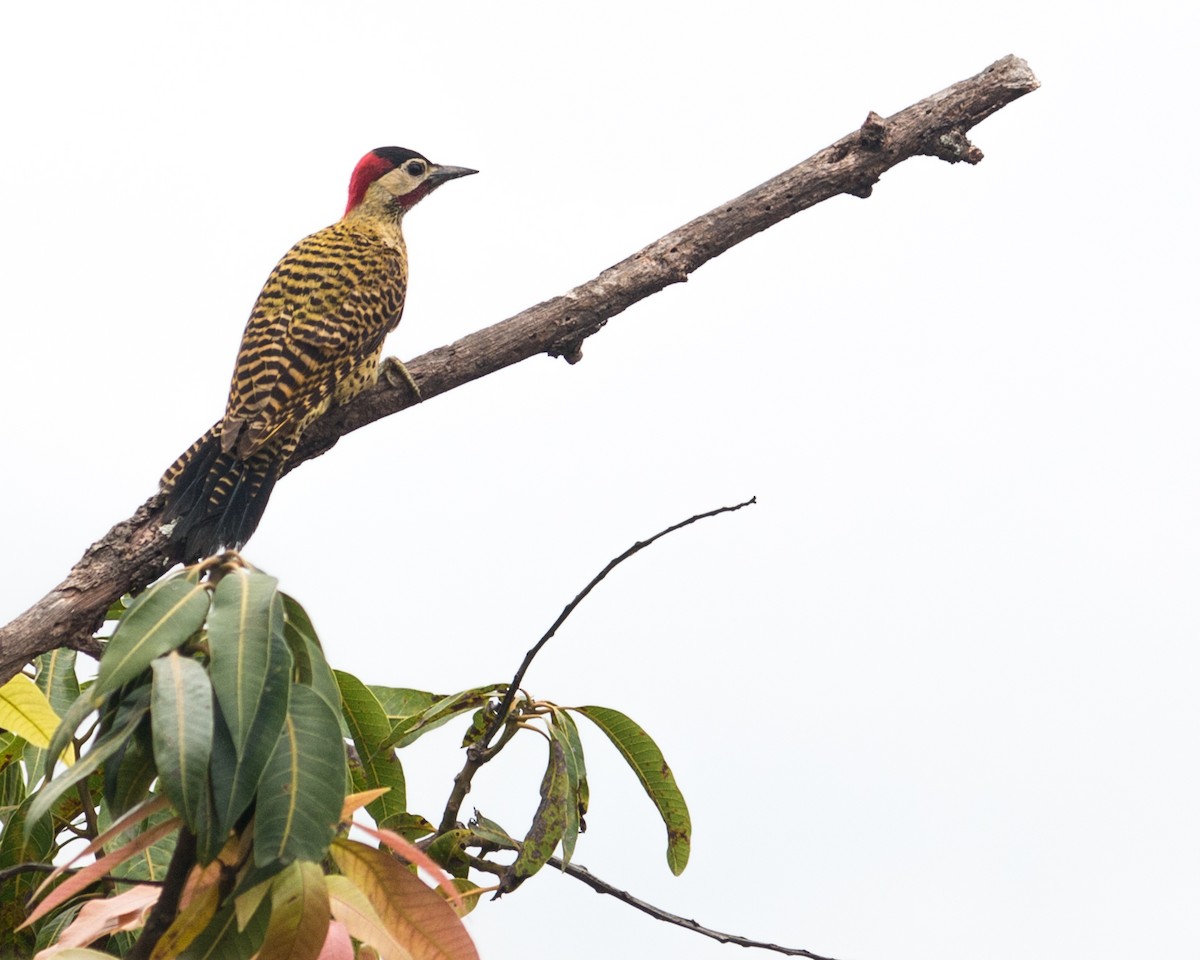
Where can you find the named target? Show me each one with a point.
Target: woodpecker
(314, 339)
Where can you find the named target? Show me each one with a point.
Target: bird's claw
(396, 373)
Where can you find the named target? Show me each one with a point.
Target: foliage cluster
(208, 780)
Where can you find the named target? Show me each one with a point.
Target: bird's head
(391, 180)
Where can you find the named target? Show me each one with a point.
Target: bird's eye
(415, 168)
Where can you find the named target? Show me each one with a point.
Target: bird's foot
(396, 373)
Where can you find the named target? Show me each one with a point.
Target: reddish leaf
(142, 811)
(337, 943)
(91, 873)
(414, 854)
(414, 916)
(99, 918)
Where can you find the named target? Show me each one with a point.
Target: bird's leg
(396, 373)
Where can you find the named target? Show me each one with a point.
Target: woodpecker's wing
(326, 307)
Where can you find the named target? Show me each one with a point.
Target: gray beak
(441, 174)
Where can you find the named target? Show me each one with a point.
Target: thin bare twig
(19, 868)
(658, 913)
(479, 753)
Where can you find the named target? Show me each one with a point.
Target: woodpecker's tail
(215, 499)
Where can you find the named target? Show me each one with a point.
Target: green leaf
(300, 797)
(250, 671)
(223, 774)
(406, 729)
(127, 777)
(117, 608)
(368, 723)
(470, 891)
(583, 793)
(134, 697)
(370, 729)
(246, 615)
(161, 619)
(84, 704)
(448, 852)
(246, 902)
(400, 703)
(49, 930)
(211, 832)
(10, 749)
(388, 811)
(151, 863)
(481, 719)
(563, 729)
(311, 668)
(12, 777)
(549, 823)
(181, 714)
(22, 840)
(86, 765)
(411, 826)
(642, 754)
(56, 679)
(250, 879)
(492, 832)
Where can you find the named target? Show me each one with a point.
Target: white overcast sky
(934, 697)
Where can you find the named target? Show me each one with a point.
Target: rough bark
(135, 552)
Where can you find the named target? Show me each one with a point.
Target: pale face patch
(405, 179)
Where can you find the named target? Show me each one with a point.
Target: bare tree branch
(658, 913)
(135, 552)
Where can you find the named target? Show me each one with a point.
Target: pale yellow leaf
(246, 905)
(25, 711)
(356, 801)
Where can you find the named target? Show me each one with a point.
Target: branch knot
(872, 135)
(954, 147)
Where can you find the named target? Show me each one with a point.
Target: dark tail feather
(215, 499)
